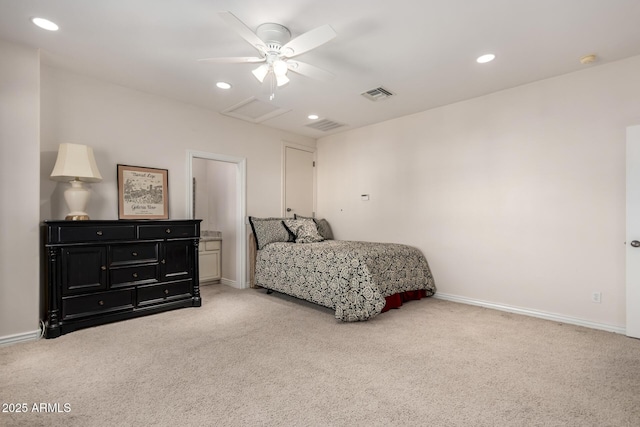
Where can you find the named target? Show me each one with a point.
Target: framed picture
(143, 193)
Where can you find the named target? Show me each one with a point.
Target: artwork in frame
(143, 193)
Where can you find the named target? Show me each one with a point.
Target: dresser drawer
(134, 275)
(159, 293)
(97, 303)
(168, 231)
(134, 253)
(92, 234)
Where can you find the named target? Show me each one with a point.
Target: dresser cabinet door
(83, 269)
(177, 260)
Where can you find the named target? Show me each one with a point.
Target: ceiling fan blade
(244, 31)
(233, 60)
(309, 70)
(307, 41)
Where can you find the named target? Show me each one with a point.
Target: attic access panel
(253, 110)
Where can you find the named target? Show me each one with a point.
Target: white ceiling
(424, 51)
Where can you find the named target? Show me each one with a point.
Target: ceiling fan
(276, 48)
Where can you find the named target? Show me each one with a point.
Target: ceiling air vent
(377, 94)
(325, 125)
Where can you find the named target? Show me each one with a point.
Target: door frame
(632, 255)
(285, 145)
(241, 186)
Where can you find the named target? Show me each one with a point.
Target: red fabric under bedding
(396, 300)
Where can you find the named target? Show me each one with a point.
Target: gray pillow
(324, 229)
(269, 230)
(305, 230)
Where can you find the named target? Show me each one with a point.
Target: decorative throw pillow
(324, 229)
(305, 230)
(269, 230)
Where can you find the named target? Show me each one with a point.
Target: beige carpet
(250, 359)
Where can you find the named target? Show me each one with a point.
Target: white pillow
(305, 230)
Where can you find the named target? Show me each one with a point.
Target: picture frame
(143, 192)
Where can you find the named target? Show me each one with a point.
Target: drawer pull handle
(163, 261)
(100, 302)
(103, 268)
(168, 231)
(99, 233)
(134, 253)
(135, 275)
(166, 291)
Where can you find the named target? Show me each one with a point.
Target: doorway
(227, 171)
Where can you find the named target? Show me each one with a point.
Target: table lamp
(76, 164)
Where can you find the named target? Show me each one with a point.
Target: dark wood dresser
(103, 271)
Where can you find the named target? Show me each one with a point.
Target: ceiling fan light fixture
(280, 68)
(281, 80)
(261, 72)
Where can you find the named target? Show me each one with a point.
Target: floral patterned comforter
(351, 277)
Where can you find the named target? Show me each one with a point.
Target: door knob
(288, 209)
(635, 243)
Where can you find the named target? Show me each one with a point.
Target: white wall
(19, 189)
(517, 198)
(130, 127)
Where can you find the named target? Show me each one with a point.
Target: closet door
(299, 181)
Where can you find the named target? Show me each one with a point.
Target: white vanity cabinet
(209, 260)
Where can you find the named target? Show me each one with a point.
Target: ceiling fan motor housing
(273, 35)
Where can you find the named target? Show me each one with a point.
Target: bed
(359, 280)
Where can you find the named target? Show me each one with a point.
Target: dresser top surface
(118, 221)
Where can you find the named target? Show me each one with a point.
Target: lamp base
(76, 197)
(76, 217)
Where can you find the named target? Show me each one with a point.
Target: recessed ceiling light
(223, 85)
(45, 24)
(486, 58)
(588, 59)
(313, 116)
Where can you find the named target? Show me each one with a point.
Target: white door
(298, 181)
(633, 231)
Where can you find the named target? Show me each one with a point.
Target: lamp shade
(75, 162)
(282, 80)
(261, 72)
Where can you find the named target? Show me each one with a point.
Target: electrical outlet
(596, 297)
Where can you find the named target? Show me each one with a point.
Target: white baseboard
(229, 282)
(533, 313)
(14, 339)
